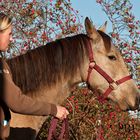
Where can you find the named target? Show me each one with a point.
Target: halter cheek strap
(112, 84)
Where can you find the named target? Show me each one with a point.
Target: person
(12, 95)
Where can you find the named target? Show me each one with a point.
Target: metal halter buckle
(113, 85)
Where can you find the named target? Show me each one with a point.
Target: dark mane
(46, 64)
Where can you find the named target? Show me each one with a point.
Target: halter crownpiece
(113, 85)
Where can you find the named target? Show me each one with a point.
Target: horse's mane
(46, 64)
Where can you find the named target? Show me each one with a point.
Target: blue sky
(93, 10)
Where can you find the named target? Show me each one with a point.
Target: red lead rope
(64, 134)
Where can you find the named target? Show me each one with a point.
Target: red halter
(112, 84)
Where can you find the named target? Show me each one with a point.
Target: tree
(37, 22)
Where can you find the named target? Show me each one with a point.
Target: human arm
(20, 103)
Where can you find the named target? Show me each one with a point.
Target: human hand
(62, 112)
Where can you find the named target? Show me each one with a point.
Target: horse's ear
(103, 27)
(90, 29)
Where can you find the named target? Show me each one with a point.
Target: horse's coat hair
(47, 64)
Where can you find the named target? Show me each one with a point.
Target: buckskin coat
(20, 103)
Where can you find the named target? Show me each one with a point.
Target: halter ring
(92, 64)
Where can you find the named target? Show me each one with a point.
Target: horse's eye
(112, 57)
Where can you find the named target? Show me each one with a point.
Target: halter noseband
(112, 84)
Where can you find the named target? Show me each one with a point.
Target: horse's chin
(123, 106)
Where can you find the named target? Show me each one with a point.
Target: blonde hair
(5, 22)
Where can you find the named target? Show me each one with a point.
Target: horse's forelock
(106, 39)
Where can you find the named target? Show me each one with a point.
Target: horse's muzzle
(137, 104)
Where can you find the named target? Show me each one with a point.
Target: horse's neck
(60, 91)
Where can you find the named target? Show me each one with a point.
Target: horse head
(108, 71)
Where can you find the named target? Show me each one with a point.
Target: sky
(94, 11)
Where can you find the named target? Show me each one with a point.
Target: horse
(50, 72)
